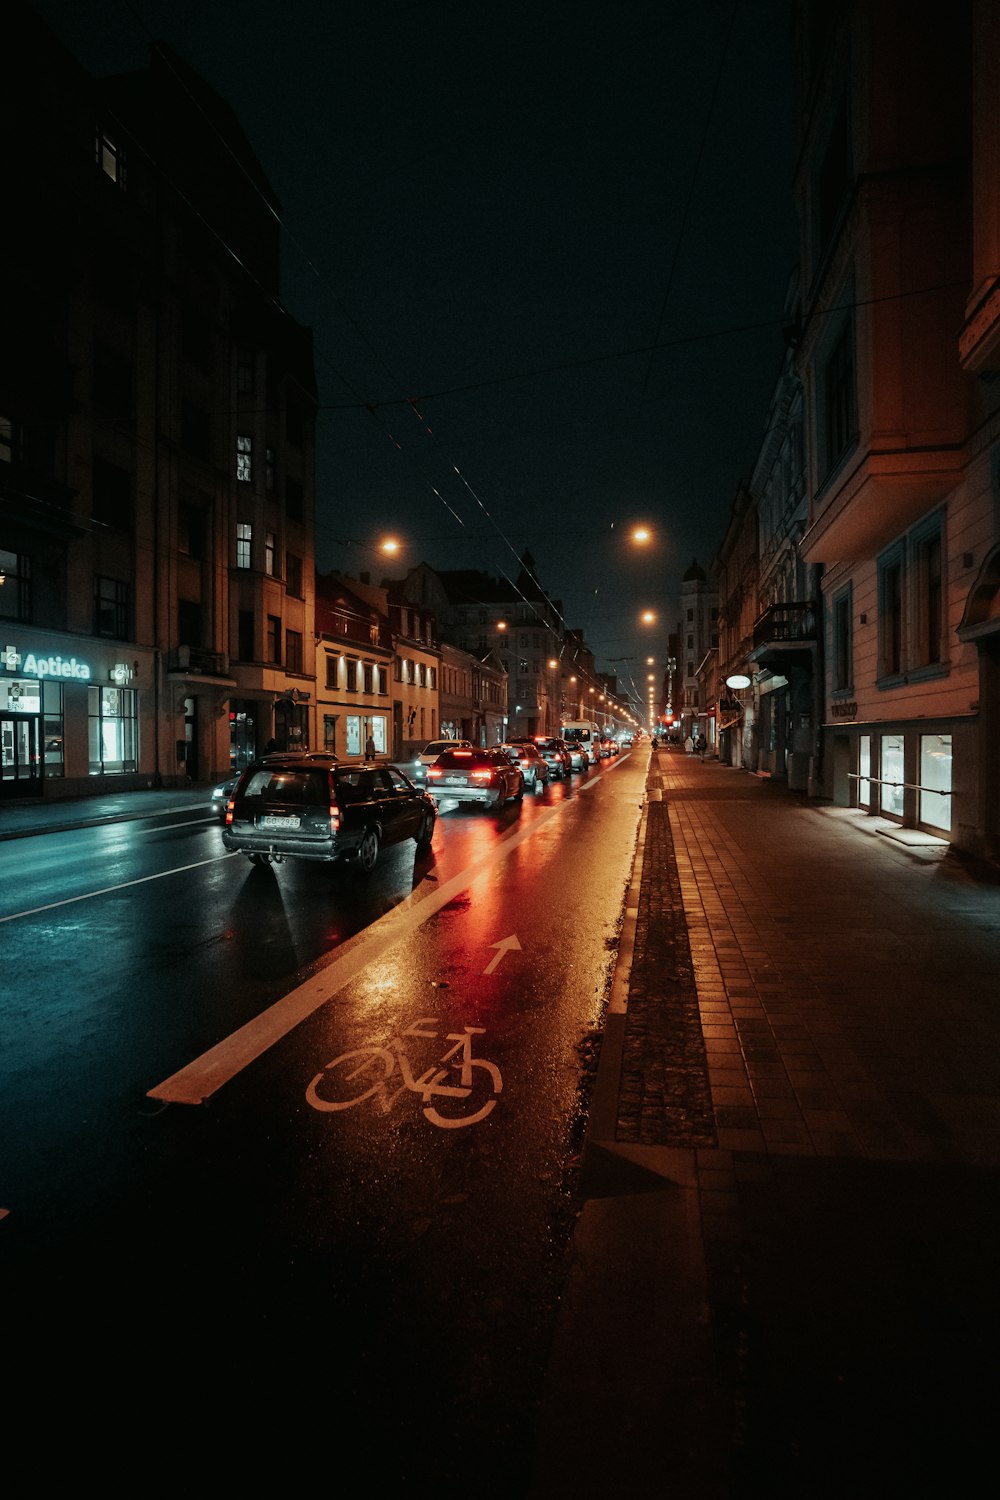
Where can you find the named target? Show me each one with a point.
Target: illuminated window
(110, 156)
(113, 730)
(244, 543)
(244, 458)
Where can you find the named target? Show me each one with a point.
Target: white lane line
(200, 1079)
(109, 890)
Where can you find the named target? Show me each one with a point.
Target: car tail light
(434, 772)
(334, 816)
(482, 775)
(462, 754)
(229, 812)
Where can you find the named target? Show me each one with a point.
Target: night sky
(545, 246)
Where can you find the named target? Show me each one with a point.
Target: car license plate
(267, 822)
(455, 780)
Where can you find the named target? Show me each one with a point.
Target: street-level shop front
(71, 712)
(910, 772)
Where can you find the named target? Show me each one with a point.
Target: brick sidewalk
(847, 989)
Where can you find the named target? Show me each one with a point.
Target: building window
(191, 528)
(890, 614)
(244, 544)
(383, 680)
(332, 671)
(269, 552)
(928, 601)
(843, 672)
(269, 462)
(433, 678)
(293, 650)
(369, 678)
(9, 444)
(15, 585)
(352, 674)
(839, 404)
(112, 495)
(935, 781)
(293, 574)
(330, 733)
(244, 458)
(111, 608)
(245, 372)
(110, 156)
(274, 640)
(293, 500)
(113, 730)
(422, 674)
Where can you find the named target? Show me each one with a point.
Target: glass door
(19, 765)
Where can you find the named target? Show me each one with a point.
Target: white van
(584, 733)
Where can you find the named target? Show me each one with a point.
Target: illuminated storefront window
(892, 764)
(935, 780)
(864, 770)
(113, 730)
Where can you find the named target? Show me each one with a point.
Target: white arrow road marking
(200, 1079)
(505, 945)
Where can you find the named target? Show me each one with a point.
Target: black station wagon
(296, 807)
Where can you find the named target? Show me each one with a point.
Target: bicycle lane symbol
(371, 1073)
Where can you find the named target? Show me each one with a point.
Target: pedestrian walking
(701, 745)
(688, 745)
(370, 748)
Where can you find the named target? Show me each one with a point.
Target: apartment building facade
(898, 354)
(156, 449)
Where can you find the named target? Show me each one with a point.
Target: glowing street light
(641, 535)
(390, 546)
(648, 617)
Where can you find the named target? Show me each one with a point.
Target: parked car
(557, 757)
(416, 769)
(221, 793)
(579, 755)
(313, 807)
(486, 778)
(527, 755)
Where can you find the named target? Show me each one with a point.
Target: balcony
(195, 661)
(785, 637)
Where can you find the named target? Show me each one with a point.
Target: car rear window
(302, 787)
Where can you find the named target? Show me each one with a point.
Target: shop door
(20, 772)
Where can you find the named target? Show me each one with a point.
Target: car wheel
(539, 784)
(368, 851)
(426, 831)
(259, 859)
(519, 794)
